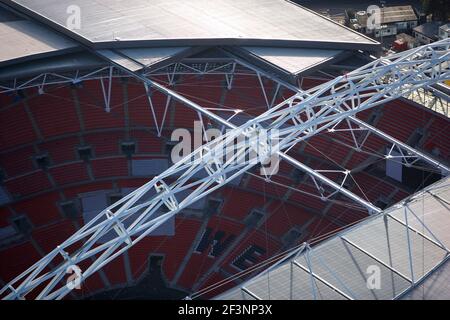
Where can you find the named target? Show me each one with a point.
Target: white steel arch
(298, 118)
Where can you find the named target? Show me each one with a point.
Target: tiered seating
(282, 95)
(173, 248)
(438, 137)
(400, 119)
(285, 169)
(17, 162)
(372, 187)
(205, 90)
(259, 238)
(373, 144)
(50, 236)
(308, 83)
(17, 259)
(73, 192)
(323, 147)
(139, 108)
(7, 98)
(28, 184)
(344, 215)
(200, 263)
(55, 113)
(240, 209)
(93, 106)
(270, 188)
(132, 183)
(69, 173)
(184, 117)
(307, 200)
(110, 167)
(105, 143)
(146, 142)
(15, 127)
(91, 285)
(176, 247)
(61, 150)
(115, 272)
(399, 195)
(282, 217)
(246, 94)
(40, 210)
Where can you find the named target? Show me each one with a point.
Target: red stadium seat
(69, 173)
(17, 162)
(16, 259)
(50, 236)
(61, 150)
(28, 184)
(139, 109)
(55, 112)
(438, 137)
(146, 142)
(400, 119)
(105, 143)
(281, 217)
(173, 249)
(15, 127)
(200, 263)
(40, 210)
(93, 106)
(110, 167)
(247, 94)
(240, 209)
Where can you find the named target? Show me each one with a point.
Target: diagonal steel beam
(339, 188)
(361, 123)
(297, 118)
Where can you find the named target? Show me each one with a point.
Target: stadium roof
(276, 34)
(197, 22)
(407, 244)
(293, 60)
(23, 38)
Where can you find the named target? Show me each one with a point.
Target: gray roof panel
(170, 20)
(346, 262)
(293, 60)
(22, 38)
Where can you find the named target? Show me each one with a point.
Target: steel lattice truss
(204, 171)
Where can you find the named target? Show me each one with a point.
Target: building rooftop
(397, 14)
(429, 29)
(445, 27)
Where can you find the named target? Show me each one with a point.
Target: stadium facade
(91, 92)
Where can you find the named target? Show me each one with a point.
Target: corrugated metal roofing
(293, 60)
(172, 21)
(397, 14)
(24, 38)
(405, 244)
